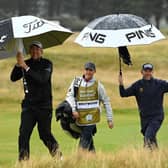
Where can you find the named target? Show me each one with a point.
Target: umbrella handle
(120, 66)
(20, 46)
(120, 73)
(25, 83)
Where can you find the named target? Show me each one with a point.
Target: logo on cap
(147, 66)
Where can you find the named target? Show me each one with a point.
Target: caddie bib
(88, 105)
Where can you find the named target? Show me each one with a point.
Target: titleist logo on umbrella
(35, 24)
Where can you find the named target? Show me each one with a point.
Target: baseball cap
(37, 44)
(90, 65)
(147, 66)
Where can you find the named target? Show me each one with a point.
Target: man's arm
(71, 99)
(107, 105)
(165, 86)
(130, 91)
(16, 73)
(17, 70)
(41, 77)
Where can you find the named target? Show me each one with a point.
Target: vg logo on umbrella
(119, 30)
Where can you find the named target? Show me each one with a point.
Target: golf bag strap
(77, 83)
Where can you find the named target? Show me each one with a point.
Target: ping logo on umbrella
(140, 34)
(2, 38)
(96, 37)
(33, 25)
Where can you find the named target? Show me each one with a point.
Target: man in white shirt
(85, 103)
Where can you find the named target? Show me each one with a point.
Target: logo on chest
(141, 89)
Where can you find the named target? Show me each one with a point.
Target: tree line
(84, 9)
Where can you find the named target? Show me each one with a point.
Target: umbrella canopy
(18, 32)
(118, 30)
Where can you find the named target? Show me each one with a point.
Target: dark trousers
(29, 117)
(150, 127)
(86, 139)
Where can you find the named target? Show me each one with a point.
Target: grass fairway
(108, 142)
(112, 145)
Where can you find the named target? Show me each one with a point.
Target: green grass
(125, 133)
(68, 61)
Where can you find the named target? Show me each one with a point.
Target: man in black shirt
(37, 104)
(149, 93)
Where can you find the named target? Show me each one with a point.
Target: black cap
(90, 65)
(37, 44)
(147, 66)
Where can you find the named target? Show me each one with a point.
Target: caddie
(85, 95)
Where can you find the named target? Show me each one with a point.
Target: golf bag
(64, 114)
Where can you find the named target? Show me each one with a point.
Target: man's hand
(20, 61)
(110, 124)
(120, 79)
(75, 115)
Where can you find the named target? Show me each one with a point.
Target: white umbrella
(118, 30)
(18, 33)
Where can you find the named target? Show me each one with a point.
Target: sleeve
(70, 96)
(16, 74)
(41, 76)
(130, 91)
(106, 101)
(165, 86)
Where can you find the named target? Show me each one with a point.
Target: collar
(148, 80)
(91, 80)
(36, 60)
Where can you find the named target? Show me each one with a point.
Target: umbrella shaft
(25, 83)
(120, 66)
